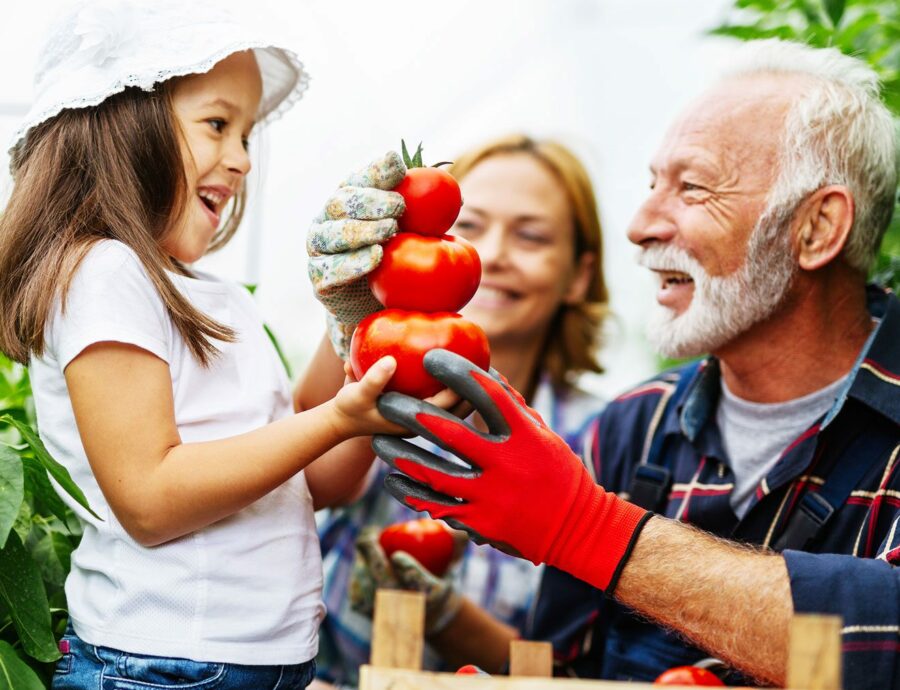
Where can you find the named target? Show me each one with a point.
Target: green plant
(37, 535)
(867, 29)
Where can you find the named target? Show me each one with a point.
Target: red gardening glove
(518, 486)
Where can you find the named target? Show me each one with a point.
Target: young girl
(155, 384)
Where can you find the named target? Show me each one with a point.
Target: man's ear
(822, 226)
(584, 271)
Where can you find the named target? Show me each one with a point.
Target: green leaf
(43, 494)
(853, 30)
(23, 594)
(12, 490)
(57, 471)
(15, 673)
(759, 5)
(811, 10)
(53, 553)
(751, 33)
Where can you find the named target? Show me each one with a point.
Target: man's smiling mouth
(672, 278)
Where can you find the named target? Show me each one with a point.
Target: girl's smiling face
(216, 112)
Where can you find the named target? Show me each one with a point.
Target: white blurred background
(604, 76)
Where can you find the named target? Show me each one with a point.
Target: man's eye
(217, 124)
(691, 187)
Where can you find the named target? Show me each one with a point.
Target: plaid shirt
(500, 584)
(848, 568)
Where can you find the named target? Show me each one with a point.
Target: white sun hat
(98, 48)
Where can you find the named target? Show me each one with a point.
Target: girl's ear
(584, 271)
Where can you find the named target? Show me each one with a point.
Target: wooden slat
(371, 678)
(814, 661)
(398, 629)
(530, 659)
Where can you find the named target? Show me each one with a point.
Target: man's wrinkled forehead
(736, 122)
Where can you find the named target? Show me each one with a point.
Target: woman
(531, 213)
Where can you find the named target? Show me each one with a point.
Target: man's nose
(652, 222)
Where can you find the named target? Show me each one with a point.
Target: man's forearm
(731, 600)
(475, 637)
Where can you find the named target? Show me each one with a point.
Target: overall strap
(651, 480)
(816, 508)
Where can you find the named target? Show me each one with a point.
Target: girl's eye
(245, 142)
(217, 123)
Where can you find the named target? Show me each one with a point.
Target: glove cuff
(340, 335)
(597, 535)
(447, 613)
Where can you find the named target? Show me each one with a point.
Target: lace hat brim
(104, 47)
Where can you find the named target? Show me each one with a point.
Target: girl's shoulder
(108, 256)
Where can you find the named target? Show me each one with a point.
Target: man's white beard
(723, 307)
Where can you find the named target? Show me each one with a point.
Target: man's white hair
(837, 131)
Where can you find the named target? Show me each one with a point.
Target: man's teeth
(214, 198)
(677, 280)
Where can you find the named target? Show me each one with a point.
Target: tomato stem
(416, 160)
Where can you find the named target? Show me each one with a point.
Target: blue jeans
(86, 667)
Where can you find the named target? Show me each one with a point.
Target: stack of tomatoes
(425, 277)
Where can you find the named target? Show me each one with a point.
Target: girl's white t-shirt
(245, 590)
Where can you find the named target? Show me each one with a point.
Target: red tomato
(407, 336)
(470, 670)
(688, 675)
(432, 199)
(426, 273)
(426, 540)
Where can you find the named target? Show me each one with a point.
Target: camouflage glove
(372, 569)
(344, 245)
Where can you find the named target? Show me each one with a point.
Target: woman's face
(517, 214)
(216, 112)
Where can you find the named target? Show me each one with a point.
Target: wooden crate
(398, 642)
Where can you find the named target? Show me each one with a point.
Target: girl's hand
(355, 406)
(355, 403)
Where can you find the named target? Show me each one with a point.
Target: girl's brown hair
(574, 333)
(112, 171)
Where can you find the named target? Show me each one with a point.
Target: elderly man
(768, 200)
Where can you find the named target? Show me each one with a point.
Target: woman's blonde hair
(111, 171)
(574, 334)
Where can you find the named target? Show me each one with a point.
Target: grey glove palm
(372, 570)
(344, 244)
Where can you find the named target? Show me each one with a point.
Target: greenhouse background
(604, 76)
